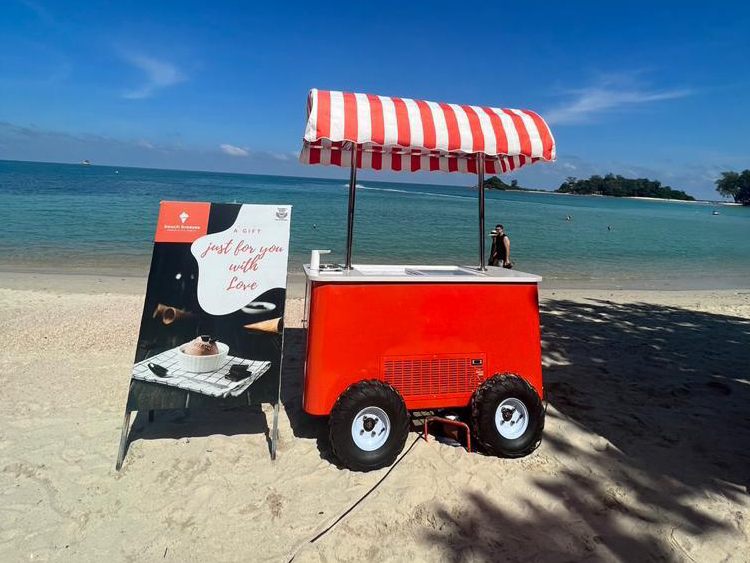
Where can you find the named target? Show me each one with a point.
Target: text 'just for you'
(250, 260)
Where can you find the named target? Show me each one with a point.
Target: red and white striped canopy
(401, 134)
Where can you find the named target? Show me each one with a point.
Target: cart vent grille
(434, 374)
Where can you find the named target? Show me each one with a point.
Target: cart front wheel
(368, 426)
(507, 416)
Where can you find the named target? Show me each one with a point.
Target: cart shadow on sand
(292, 379)
(666, 391)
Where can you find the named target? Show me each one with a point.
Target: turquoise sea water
(90, 218)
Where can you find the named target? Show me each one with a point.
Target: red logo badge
(182, 221)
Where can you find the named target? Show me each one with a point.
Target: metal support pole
(480, 190)
(277, 406)
(350, 216)
(123, 441)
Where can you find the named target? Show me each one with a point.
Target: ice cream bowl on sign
(202, 355)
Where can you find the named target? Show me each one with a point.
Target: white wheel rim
(371, 428)
(511, 418)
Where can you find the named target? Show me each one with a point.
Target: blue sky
(653, 89)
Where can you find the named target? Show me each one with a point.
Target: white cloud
(159, 74)
(611, 94)
(233, 151)
(145, 144)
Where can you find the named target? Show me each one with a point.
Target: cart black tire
(370, 394)
(485, 407)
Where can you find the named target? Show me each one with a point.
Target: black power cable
(353, 506)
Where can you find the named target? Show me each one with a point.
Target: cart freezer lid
(389, 273)
(401, 134)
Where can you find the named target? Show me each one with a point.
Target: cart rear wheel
(368, 426)
(507, 416)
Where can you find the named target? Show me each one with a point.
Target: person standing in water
(500, 252)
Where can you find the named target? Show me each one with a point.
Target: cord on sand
(357, 503)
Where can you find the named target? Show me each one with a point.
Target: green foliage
(618, 186)
(736, 185)
(495, 183)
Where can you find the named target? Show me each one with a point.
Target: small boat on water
(86, 162)
(715, 212)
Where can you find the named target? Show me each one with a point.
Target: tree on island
(736, 185)
(495, 183)
(618, 186)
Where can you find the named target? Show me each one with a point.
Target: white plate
(258, 307)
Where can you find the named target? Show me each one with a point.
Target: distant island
(495, 183)
(609, 185)
(618, 186)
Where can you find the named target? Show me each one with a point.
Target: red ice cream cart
(384, 340)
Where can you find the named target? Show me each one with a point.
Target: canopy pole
(480, 190)
(350, 216)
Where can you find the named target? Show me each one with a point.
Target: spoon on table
(157, 370)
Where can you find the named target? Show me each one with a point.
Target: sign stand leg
(123, 440)
(275, 430)
(277, 405)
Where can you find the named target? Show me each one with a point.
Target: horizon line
(343, 178)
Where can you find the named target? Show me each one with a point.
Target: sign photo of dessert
(211, 332)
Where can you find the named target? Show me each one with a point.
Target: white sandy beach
(646, 451)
